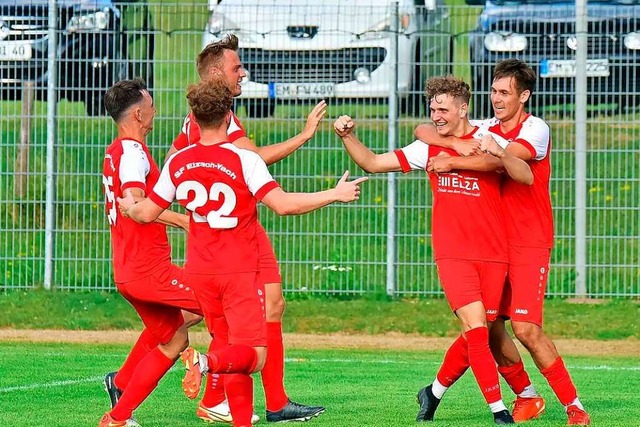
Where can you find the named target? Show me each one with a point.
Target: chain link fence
(368, 59)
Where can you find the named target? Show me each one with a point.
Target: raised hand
(314, 118)
(343, 126)
(348, 191)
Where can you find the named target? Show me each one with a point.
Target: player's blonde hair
(212, 54)
(448, 85)
(210, 101)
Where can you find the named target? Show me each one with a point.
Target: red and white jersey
(467, 220)
(138, 249)
(527, 208)
(220, 185)
(190, 132)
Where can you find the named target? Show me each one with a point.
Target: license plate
(15, 51)
(301, 90)
(567, 68)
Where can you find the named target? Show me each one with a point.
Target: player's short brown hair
(210, 102)
(212, 54)
(448, 85)
(522, 73)
(122, 95)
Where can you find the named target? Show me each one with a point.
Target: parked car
(308, 50)
(99, 43)
(543, 33)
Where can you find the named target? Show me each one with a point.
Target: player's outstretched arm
(143, 212)
(363, 156)
(517, 168)
(275, 152)
(284, 203)
(427, 133)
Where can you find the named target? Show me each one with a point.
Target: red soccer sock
(455, 363)
(233, 359)
(144, 379)
(482, 363)
(273, 371)
(214, 392)
(515, 376)
(240, 388)
(145, 344)
(560, 381)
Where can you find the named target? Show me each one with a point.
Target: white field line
(99, 379)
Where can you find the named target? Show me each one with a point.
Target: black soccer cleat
(503, 417)
(111, 389)
(428, 404)
(293, 411)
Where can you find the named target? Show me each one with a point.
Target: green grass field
(359, 388)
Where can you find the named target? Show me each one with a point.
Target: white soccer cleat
(219, 414)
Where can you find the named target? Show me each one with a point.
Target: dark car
(543, 33)
(99, 43)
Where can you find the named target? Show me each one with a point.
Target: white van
(319, 49)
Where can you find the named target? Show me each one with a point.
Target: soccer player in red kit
(221, 184)
(221, 59)
(142, 266)
(471, 259)
(529, 227)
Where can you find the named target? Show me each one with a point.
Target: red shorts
(159, 300)
(526, 284)
(267, 263)
(465, 282)
(239, 298)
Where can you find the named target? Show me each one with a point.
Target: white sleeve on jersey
(536, 132)
(254, 169)
(417, 154)
(185, 124)
(134, 163)
(165, 187)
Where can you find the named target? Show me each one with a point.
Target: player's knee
(261, 353)
(527, 333)
(274, 307)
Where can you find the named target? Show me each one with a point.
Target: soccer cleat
(293, 411)
(193, 377)
(527, 408)
(428, 404)
(503, 417)
(108, 421)
(577, 416)
(111, 389)
(219, 414)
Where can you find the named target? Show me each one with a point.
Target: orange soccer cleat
(193, 377)
(577, 416)
(108, 421)
(527, 408)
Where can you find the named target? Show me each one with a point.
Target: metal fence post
(581, 148)
(52, 66)
(392, 144)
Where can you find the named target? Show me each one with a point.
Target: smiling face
(506, 100)
(230, 68)
(448, 115)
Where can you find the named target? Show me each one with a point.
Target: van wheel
(260, 108)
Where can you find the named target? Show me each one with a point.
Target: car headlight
(632, 40)
(89, 21)
(505, 42)
(219, 25)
